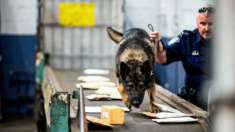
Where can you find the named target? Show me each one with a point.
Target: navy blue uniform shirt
(193, 51)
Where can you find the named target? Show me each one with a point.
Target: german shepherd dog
(135, 62)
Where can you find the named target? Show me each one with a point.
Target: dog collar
(151, 73)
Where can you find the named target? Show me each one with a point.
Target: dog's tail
(114, 35)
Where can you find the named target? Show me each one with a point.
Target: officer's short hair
(205, 10)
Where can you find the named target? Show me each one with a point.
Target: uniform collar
(198, 37)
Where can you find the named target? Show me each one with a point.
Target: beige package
(111, 91)
(107, 90)
(97, 121)
(112, 114)
(96, 85)
(96, 97)
(149, 114)
(93, 79)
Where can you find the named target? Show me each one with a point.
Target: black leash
(151, 28)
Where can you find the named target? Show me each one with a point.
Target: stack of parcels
(170, 115)
(106, 90)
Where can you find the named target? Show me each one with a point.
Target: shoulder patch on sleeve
(185, 32)
(173, 40)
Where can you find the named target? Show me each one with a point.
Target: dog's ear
(114, 35)
(124, 70)
(145, 69)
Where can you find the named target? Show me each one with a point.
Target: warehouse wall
(169, 17)
(18, 48)
(81, 47)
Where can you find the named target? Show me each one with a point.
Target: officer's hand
(153, 35)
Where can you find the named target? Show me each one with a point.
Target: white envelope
(163, 115)
(167, 108)
(175, 120)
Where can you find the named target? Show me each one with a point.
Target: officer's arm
(172, 50)
(161, 56)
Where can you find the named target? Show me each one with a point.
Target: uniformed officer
(192, 48)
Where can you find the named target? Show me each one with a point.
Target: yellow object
(112, 114)
(72, 14)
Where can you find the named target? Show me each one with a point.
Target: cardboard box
(112, 114)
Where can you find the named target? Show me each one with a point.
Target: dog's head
(136, 79)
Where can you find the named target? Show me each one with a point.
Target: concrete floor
(18, 125)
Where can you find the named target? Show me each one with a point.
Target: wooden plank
(53, 79)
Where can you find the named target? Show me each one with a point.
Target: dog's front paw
(128, 104)
(154, 109)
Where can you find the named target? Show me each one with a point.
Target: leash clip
(151, 27)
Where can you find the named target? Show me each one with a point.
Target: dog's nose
(136, 102)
